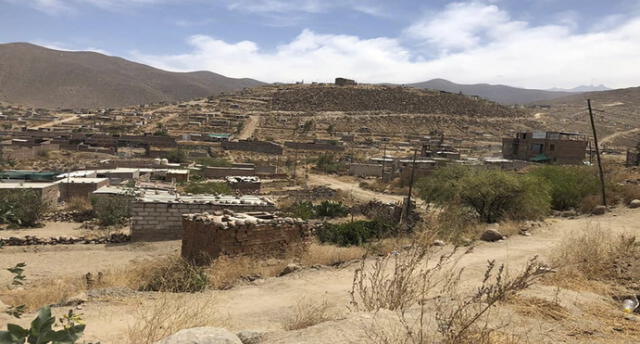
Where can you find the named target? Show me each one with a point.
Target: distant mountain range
(41, 77)
(501, 93)
(582, 88)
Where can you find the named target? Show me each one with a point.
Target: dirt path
(57, 121)
(618, 133)
(350, 187)
(264, 304)
(249, 127)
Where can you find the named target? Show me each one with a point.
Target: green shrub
(209, 188)
(42, 330)
(353, 233)
(329, 163)
(569, 184)
(304, 210)
(331, 209)
(22, 208)
(492, 194)
(177, 156)
(111, 210)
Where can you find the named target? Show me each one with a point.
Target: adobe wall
(313, 146)
(253, 146)
(204, 241)
(365, 170)
(154, 221)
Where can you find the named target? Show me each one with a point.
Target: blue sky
(537, 43)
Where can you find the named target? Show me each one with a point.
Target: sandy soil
(350, 187)
(264, 304)
(249, 127)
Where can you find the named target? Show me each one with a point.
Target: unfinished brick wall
(156, 221)
(203, 241)
(69, 191)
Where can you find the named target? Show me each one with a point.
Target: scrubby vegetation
(329, 163)
(22, 208)
(173, 275)
(210, 188)
(111, 210)
(307, 210)
(493, 195)
(569, 184)
(354, 233)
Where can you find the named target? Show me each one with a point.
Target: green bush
(177, 156)
(304, 210)
(22, 208)
(42, 329)
(492, 194)
(329, 163)
(569, 184)
(353, 233)
(209, 188)
(331, 209)
(111, 210)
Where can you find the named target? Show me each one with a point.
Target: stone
(634, 204)
(76, 300)
(290, 268)
(599, 210)
(250, 337)
(491, 235)
(202, 335)
(438, 243)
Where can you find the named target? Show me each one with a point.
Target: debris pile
(29, 240)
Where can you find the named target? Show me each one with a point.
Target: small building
(80, 188)
(345, 82)
(226, 233)
(244, 184)
(546, 147)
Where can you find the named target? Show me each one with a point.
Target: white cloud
(56, 7)
(480, 44)
(66, 47)
(270, 7)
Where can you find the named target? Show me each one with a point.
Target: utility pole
(406, 207)
(595, 142)
(384, 158)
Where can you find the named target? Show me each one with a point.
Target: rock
(250, 337)
(634, 204)
(491, 235)
(569, 213)
(76, 300)
(289, 269)
(599, 210)
(438, 243)
(202, 335)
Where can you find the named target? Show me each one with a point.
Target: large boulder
(634, 204)
(202, 335)
(491, 235)
(599, 210)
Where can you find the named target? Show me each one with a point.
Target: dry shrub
(307, 313)
(44, 292)
(169, 314)
(588, 203)
(629, 192)
(531, 306)
(400, 282)
(456, 224)
(225, 271)
(171, 274)
(331, 255)
(596, 255)
(79, 204)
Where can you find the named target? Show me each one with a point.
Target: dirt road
(65, 119)
(351, 188)
(249, 128)
(619, 133)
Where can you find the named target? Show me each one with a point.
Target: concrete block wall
(69, 191)
(155, 221)
(221, 172)
(203, 241)
(253, 146)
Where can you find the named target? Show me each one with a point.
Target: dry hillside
(41, 77)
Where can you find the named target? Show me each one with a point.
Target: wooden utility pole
(406, 207)
(595, 142)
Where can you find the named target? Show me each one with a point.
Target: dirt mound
(384, 98)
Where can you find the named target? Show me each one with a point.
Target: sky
(533, 44)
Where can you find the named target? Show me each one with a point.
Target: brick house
(546, 147)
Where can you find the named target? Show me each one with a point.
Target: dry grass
(307, 313)
(536, 307)
(594, 259)
(79, 204)
(43, 293)
(171, 274)
(169, 314)
(225, 272)
(331, 255)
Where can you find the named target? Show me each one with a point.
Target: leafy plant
(42, 330)
(18, 274)
(16, 311)
(353, 233)
(111, 210)
(331, 209)
(23, 208)
(569, 184)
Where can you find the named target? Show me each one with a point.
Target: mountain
(582, 88)
(41, 77)
(498, 93)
